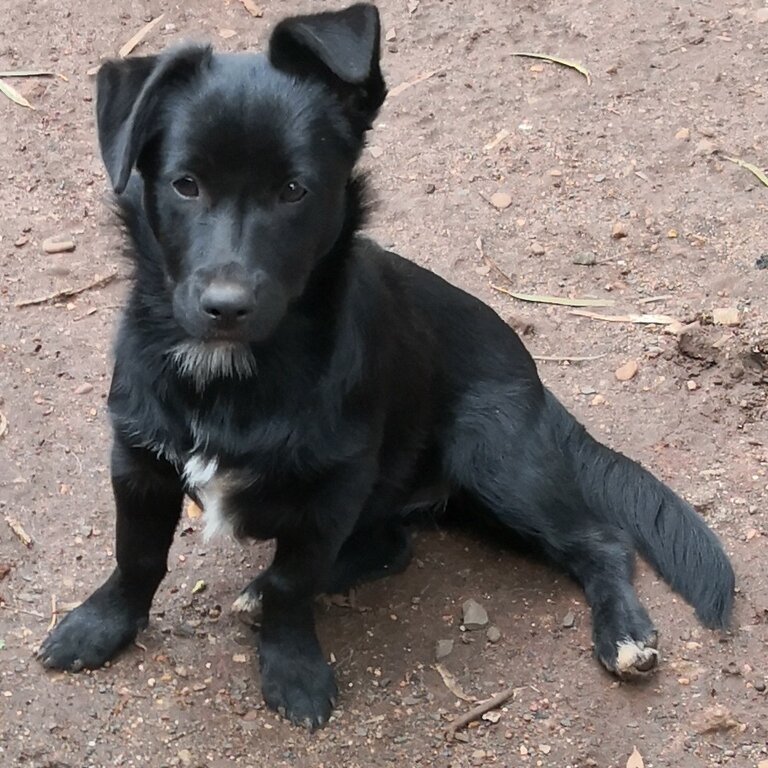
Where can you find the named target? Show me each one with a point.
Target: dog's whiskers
(204, 362)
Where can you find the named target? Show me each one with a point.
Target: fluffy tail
(666, 530)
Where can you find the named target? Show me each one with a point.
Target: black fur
(315, 389)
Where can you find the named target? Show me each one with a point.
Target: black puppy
(305, 385)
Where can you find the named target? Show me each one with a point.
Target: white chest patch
(211, 487)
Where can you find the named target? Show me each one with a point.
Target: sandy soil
(637, 154)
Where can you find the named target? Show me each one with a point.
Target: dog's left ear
(129, 94)
(341, 48)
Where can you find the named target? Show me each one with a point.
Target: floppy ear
(128, 95)
(340, 48)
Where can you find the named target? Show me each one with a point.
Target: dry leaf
(630, 318)
(542, 299)
(27, 73)
(556, 60)
(753, 169)
(398, 89)
(18, 529)
(635, 760)
(452, 684)
(255, 10)
(14, 95)
(225, 34)
(139, 36)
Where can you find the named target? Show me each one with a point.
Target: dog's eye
(186, 186)
(292, 192)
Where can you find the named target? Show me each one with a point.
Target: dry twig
(68, 293)
(16, 609)
(565, 358)
(477, 712)
(54, 614)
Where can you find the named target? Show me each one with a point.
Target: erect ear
(341, 48)
(129, 93)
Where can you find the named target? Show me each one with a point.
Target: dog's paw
(300, 688)
(91, 635)
(247, 607)
(632, 658)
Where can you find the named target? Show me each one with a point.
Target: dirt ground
(619, 190)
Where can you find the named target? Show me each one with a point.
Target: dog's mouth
(205, 361)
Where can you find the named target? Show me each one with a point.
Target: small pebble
(585, 259)
(627, 371)
(726, 316)
(501, 200)
(537, 249)
(84, 389)
(568, 620)
(443, 648)
(706, 147)
(58, 244)
(493, 634)
(619, 230)
(474, 615)
(683, 134)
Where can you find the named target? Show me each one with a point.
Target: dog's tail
(666, 530)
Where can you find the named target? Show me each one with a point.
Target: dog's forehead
(244, 112)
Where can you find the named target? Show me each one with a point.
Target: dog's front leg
(295, 678)
(148, 497)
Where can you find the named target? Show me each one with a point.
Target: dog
(305, 385)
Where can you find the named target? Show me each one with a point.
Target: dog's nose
(227, 303)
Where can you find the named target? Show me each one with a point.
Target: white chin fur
(204, 361)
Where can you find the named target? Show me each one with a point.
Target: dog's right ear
(339, 48)
(128, 94)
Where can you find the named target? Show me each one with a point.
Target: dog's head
(245, 161)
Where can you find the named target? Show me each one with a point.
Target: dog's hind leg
(368, 554)
(498, 456)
